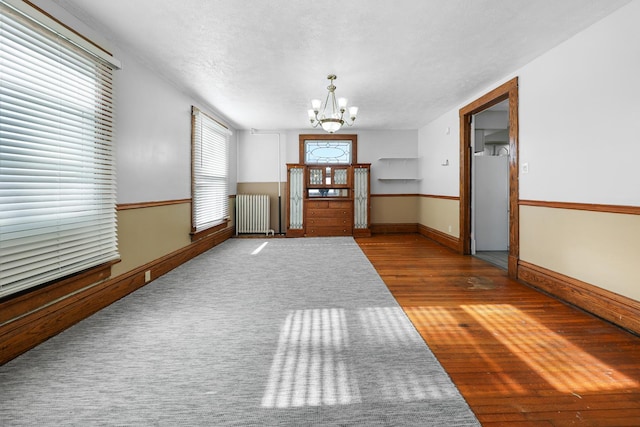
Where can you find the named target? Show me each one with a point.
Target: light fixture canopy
(332, 117)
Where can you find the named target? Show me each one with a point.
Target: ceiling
(402, 62)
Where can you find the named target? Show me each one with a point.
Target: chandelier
(332, 117)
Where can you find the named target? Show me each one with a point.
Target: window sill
(197, 235)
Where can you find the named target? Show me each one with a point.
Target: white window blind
(210, 191)
(57, 176)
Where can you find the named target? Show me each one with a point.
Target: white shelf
(396, 169)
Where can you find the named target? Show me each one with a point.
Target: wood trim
(395, 195)
(195, 110)
(332, 136)
(440, 237)
(14, 306)
(37, 325)
(362, 232)
(399, 228)
(617, 309)
(429, 196)
(435, 196)
(197, 235)
(142, 205)
(507, 91)
(618, 209)
(48, 15)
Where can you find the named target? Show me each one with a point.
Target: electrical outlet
(449, 229)
(525, 168)
(147, 276)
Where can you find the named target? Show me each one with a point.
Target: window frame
(199, 230)
(353, 138)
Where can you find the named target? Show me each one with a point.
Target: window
(57, 176)
(328, 149)
(210, 172)
(322, 151)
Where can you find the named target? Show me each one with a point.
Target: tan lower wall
(598, 248)
(270, 188)
(440, 214)
(149, 233)
(394, 209)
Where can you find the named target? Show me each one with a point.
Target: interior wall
(566, 240)
(579, 114)
(147, 234)
(394, 209)
(577, 117)
(440, 214)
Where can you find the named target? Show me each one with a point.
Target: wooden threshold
(518, 356)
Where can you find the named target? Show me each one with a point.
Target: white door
(491, 203)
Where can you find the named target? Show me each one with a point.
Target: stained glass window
(327, 151)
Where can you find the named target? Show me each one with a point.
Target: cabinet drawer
(338, 222)
(329, 213)
(329, 204)
(329, 231)
(339, 204)
(317, 204)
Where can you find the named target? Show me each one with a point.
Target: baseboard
(617, 309)
(440, 237)
(25, 332)
(399, 228)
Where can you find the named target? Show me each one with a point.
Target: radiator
(253, 214)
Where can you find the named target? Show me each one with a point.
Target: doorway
(507, 93)
(490, 185)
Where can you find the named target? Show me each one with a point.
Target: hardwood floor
(519, 357)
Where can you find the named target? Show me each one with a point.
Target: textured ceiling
(403, 62)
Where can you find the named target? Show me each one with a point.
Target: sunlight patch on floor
(450, 330)
(562, 364)
(309, 367)
(335, 356)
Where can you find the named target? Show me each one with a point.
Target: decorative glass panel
(340, 176)
(315, 176)
(360, 200)
(327, 151)
(296, 198)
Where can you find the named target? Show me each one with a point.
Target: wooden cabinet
(329, 218)
(328, 200)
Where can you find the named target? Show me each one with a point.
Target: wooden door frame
(507, 91)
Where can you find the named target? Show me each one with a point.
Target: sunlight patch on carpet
(310, 367)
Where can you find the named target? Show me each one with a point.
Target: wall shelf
(399, 169)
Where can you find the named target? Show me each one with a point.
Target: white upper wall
(439, 151)
(578, 115)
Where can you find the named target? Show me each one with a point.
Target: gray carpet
(302, 333)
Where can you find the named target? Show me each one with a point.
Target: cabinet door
(361, 198)
(296, 198)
